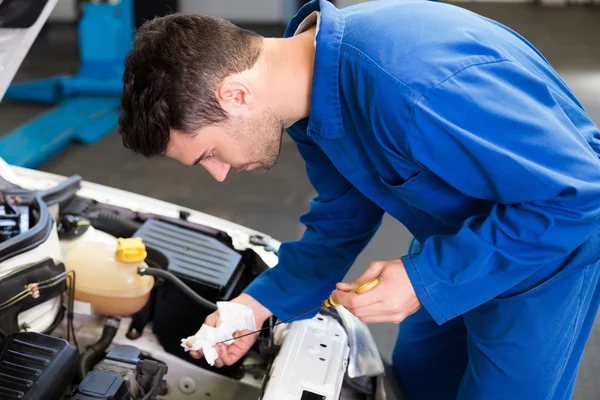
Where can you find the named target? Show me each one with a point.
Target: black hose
(111, 326)
(159, 273)
(57, 321)
(156, 383)
(113, 223)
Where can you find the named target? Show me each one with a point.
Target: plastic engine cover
(312, 361)
(204, 263)
(35, 366)
(102, 385)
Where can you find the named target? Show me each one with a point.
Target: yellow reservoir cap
(131, 250)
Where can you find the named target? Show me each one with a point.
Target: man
(449, 122)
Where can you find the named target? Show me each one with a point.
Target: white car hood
(16, 42)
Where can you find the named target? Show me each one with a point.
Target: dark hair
(172, 73)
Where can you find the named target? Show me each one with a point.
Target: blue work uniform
(459, 128)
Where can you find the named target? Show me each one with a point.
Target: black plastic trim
(40, 232)
(84, 206)
(16, 281)
(63, 192)
(31, 239)
(308, 395)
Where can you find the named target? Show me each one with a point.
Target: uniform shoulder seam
(428, 91)
(363, 55)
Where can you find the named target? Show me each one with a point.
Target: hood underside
(20, 23)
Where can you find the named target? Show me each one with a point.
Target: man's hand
(230, 354)
(392, 300)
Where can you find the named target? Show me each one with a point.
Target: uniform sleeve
(496, 132)
(339, 224)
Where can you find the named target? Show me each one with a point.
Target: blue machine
(88, 102)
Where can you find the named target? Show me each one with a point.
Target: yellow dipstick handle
(332, 302)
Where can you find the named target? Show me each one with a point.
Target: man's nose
(217, 169)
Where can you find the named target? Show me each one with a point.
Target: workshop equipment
(330, 302)
(88, 103)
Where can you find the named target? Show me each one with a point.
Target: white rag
(233, 317)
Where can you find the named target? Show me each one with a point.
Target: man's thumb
(372, 272)
(345, 287)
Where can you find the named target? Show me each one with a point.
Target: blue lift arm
(87, 103)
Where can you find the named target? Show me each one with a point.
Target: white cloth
(233, 317)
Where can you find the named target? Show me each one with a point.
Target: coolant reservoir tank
(106, 275)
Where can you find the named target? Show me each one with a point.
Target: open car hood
(20, 23)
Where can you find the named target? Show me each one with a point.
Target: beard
(257, 166)
(261, 141)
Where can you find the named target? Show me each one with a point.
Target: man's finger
(378, 308)
(221, 354)
(346, 287)
(372, 272)
(190, 343)
(384, 318)
(196, 354)
(242, 333)
(353, 300)
(242, 344)
(224, 354)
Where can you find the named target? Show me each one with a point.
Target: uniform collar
(325, 113)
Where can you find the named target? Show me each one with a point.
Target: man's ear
(235, 96)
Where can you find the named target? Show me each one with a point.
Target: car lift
(89, 101)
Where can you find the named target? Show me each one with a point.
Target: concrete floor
(273, 202)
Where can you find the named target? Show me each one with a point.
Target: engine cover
(34, 366)
(102, 385)
(312, 361)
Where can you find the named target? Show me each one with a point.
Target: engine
(38, 366)
(95, 298)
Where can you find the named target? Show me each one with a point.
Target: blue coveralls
(456, 126)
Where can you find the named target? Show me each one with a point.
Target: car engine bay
(95, 297)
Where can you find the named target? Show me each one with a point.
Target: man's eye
(208, 156)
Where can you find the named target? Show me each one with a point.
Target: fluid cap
(131, 250)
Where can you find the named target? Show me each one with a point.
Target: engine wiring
(33, 290)
(70, 308)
